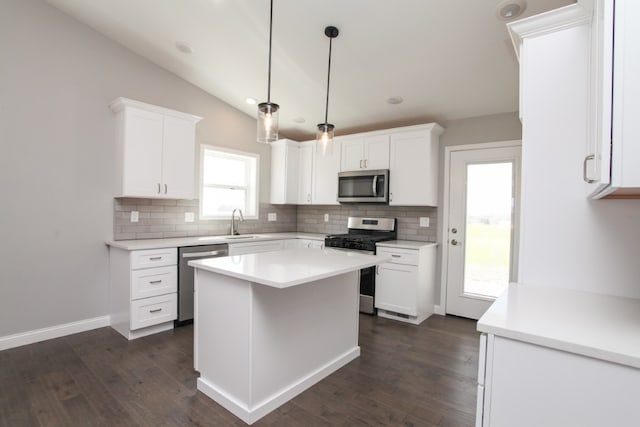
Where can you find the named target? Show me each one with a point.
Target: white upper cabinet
(325, 175)
(305, 172)
(413, 166)
(611, 164)
(284, 172)
(155, 150)
(365, 152)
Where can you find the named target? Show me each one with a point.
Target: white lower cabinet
(528, 385)
(255, 247)
(143, 290)
(405, 287)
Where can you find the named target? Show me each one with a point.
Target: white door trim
(441, 307)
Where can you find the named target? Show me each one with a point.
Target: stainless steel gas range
(362, 235)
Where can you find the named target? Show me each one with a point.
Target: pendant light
(324, 137)
(268, 111)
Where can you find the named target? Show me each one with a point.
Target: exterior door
(481, 237)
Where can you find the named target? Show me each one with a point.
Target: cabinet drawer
(400, 256)
(150, 282)
(154, 258)
(152, 311)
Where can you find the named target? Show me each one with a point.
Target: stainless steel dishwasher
(185, 276)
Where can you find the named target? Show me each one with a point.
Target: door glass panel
(488, 228)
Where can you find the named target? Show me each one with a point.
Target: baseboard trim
(57, 331)
(252, 414)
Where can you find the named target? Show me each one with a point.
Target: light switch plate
(272, 216)
(424, 221)
(189, 217)
(134, 216)
(326, 217)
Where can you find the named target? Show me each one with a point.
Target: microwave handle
(374, 186)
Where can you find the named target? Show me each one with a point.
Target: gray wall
(57, 77)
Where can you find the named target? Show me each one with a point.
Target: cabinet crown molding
(121, 103)
(565, 17)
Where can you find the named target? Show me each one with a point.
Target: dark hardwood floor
(406, 375)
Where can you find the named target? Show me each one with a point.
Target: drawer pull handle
(155, 258)
(157, 310)
(396, 256)
(155, 282)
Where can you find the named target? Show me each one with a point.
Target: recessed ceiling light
(395, 100)
(299, 120)
(250, 101)
(510, 9)
(184, 47)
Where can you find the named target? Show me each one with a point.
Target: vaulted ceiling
(446, 59)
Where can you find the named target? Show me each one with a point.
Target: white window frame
(252, 193)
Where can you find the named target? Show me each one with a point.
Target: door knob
(454, 242)
(454, 230)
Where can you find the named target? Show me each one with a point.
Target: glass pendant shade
(268, 111)
(324, 139)
(267, 122)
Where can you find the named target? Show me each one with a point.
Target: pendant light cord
(270, 36)
(326, 111)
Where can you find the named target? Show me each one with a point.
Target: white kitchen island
(268, 326)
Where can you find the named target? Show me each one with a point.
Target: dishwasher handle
(222, 252)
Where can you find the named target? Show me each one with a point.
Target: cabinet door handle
(155, 282)
(365, 163)
(165, 189)
(391, 197)
(157, 310)
(584, 169)
(377, 269)
(396, 256)
(360, 163)
(158, 188)
(155, 258)
(309, 197)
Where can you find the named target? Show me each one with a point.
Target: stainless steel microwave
(366, 186)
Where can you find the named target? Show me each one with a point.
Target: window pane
(488, 228)
(224, 170)
(222, 201)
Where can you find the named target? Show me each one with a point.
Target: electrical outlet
(272, 216)
(189, 217)
(326, 217)
(424, 221)
(134, 216)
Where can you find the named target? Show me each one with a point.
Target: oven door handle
(374, 186)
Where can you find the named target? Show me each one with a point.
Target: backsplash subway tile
(163, 218)
(311, 219)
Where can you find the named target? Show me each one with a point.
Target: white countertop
(139, 244)
(291, 267)
(405, 244)
(599, 326)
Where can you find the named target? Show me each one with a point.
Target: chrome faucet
(234, 226)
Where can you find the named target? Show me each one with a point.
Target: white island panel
(259, 343)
